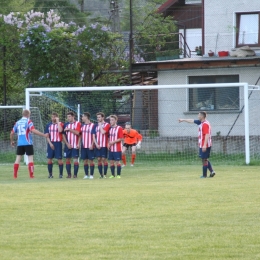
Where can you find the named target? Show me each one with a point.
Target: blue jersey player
(24, 129)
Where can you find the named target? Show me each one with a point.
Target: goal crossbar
(7, 107)
(31, 91)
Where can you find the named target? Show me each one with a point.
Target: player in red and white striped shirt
(100, 135)
(115, 146)
(204, 141)
(87, 144)
(54, 147)
(71, 138)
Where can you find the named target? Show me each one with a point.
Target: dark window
(247, 29)
(214, 98)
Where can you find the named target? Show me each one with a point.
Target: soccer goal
(154, 111)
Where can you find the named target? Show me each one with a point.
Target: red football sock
(16, 167)
(124, 159)
(133, 159)
(31, 169)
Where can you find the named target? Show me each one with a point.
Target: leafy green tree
(10, 55)
(156, 36)
(49, 57)
(54, 53)
(8, 6)
(100, 50)
(152, 32)
(140, 10)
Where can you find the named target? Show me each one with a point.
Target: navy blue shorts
(71, 153)
(56, 153)
(102, 152)
(86, 153)
(114, 156)
(204, 155)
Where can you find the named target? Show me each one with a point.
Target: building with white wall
(230, 24)
(224, 26)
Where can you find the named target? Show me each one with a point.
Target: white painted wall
(173, 104)
(220, 22)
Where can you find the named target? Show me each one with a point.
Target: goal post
(153, 107)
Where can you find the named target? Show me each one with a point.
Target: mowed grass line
(152, 212)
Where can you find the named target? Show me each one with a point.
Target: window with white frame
(247, 29)
(215, 99)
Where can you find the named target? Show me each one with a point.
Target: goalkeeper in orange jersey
(131, 139)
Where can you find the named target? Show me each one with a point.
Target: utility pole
(4, 75)
(114, 11)
(4, 87)
(131, 44)
(82, 6)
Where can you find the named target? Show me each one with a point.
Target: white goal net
(154, 111)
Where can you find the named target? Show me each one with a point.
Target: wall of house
(173, 104)
(220, 21)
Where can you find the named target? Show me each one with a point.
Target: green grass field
(154, 211)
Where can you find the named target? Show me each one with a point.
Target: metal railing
(160, 47)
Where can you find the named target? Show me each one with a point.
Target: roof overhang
(198, 63)
(170, 4)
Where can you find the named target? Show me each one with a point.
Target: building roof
(199, 63)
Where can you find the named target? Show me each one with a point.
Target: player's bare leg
(124, 156)
(133, 155)
(16, 165)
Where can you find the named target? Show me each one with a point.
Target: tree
(156, 35)
(55, 53)
(10, 56)
(9, 73)
(152, 31)
(140, 10)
